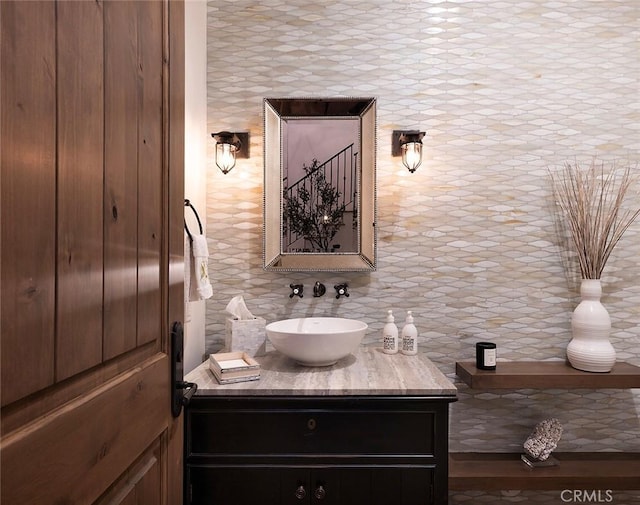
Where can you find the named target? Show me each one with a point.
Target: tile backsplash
(470, 242)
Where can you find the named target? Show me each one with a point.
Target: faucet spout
(319, 289)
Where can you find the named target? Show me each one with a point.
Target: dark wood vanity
(344, 438)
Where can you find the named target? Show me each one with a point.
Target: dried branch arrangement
(592, 200)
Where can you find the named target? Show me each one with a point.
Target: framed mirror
(319, 184)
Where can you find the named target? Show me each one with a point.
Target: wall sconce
(408, 144)
(229, 147)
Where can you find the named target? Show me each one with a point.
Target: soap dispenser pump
(409, 336)
(390, 335)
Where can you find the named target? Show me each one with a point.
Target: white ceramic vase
(590, 349)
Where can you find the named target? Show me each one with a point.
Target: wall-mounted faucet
(319, 289)
(342, 290)
(296, 290)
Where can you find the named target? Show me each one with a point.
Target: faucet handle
(296, 290)
(342, 290)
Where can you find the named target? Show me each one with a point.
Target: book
(232, 380)
(230, 367)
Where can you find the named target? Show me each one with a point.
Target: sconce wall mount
(408, 144)
(229, 147)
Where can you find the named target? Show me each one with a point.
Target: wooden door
(91, 187)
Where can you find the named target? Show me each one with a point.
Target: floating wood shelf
(546, 374)
(500, 471)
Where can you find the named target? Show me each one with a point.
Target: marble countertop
(368, 371)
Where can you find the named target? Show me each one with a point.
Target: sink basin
(316, 341)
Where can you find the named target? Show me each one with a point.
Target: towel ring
(187, 203)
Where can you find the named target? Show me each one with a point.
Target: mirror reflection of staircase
(331, 216)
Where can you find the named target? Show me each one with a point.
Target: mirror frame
(277, 110)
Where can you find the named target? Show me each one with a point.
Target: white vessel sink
(316, 341)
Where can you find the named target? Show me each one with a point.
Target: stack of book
(230, 367)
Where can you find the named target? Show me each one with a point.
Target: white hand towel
(190, 291)
(200, 268)
(187, 269)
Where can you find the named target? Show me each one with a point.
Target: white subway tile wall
(470, 243)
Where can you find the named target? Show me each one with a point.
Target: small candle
(486, 356)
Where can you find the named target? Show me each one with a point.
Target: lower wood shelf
(577, 470)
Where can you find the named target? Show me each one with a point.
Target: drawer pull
(311, 424)
(300, 493)
(320, 493)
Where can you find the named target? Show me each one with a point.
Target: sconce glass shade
(411, 147)
(408, 144)
(225, 157)
(412, 155)
(227, 146)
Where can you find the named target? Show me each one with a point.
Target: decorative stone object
(543, 439)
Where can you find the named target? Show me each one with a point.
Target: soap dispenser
(409, 336)
(390, 335)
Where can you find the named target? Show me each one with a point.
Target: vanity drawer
(355, 432)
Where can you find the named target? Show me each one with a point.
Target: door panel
(98, 436)
(234, 486)
(80, 173)
(121, 177)
(92, 188)
(27, 198)
(335, 485)
(140, 484)
(150, 71)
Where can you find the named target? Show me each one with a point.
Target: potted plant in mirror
(313, 209)
(591, 198)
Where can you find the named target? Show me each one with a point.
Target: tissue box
(246, 335)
